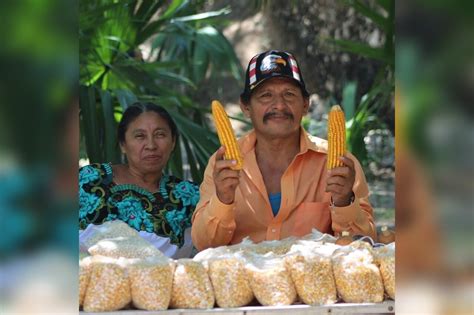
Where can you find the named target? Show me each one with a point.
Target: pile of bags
(120, 269)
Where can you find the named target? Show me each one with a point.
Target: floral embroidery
(187, 192)
(130, 210)
(88, 203)
(88, 174)
(176, 219)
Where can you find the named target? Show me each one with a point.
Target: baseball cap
(270, 64)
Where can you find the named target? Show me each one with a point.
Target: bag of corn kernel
(191, 286)
(230, 282)
(385, 260)
(310, 267)
(358, 279)
(126, 247)
(109, 286)
(270, 280)
(84, 275)
(110, 229)
(151, 281)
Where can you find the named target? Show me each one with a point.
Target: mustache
(273, 114)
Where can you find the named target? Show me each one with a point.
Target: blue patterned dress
(166, 213)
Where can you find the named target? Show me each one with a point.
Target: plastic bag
(127, 247)
(109, 286)
(84, 276)
(358, 279)
(151, 281)
(310, 268)
(230, 281)
(191, 286)
(385, 260)
(270, 280)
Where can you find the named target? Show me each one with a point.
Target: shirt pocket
(309, 215)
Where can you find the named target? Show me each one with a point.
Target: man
(284, 188)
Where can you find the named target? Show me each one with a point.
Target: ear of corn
(226, 135)
(336, 136)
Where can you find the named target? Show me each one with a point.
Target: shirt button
(273, 230)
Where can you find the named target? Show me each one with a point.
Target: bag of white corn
(84, 276)
(151, 281)
(110, 229)
(358, 279)
(385, 260)
(310, 268)
(109, 286)
(191, 286)
(270, 280)
(126, 247)
(230, 281)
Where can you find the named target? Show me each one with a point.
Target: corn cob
(226, 135)
(336, 136)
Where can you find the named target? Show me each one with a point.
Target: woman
(138, 192)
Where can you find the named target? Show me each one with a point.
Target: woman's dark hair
(138, 108)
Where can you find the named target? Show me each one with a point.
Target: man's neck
(278, 151)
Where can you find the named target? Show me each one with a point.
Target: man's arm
(356, 217)
(213, 222)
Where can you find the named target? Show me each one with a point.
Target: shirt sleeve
(358, 217)
(213, 222)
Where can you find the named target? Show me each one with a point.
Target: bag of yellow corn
(385, 260)
(84, 276)
(270, 280)
(358, 279)
(109, 286)
(191, 286)
(230, 281)
(151, 282)
(310, 268)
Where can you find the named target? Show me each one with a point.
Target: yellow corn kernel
(226, 135)
(336, 136)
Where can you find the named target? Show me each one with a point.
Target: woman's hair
(138, 108)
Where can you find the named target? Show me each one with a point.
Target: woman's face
(148, 143)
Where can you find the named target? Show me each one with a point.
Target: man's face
(276, 107)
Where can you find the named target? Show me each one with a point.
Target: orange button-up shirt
(304, 202)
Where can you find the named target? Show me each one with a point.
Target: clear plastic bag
(270, 280)
(358, 279)
(109, 286)
(230, 281)
(84, 276)
(192, 287)
(310, 268)
(385, 260)
(151, 281)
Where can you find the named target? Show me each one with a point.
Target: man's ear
(245, 109)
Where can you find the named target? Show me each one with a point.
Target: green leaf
(90, 123)
(349, 99)
(202, 16)
(362, 49)
(111, 148)
(369, 13)
(125, 98)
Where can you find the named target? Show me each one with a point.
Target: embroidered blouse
(167, 212)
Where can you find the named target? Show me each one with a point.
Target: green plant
(186, 48)
(366, 113)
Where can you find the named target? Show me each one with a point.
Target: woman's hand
(225, 179)
(340, 182)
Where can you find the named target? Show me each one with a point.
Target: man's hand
(340, 181)
(225, 179)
